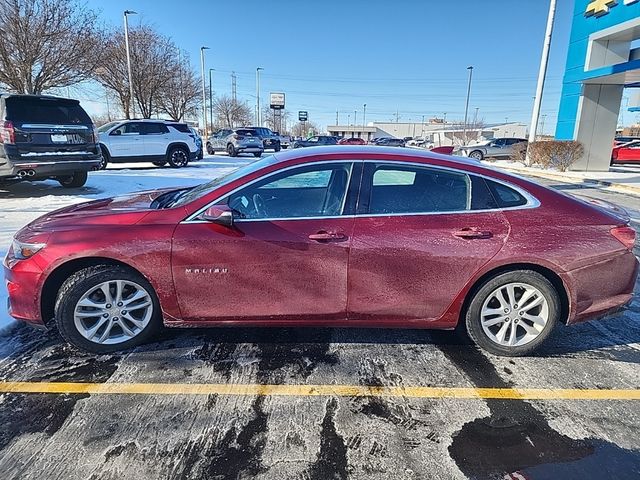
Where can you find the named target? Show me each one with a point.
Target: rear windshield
(246, 132)
(45, 111)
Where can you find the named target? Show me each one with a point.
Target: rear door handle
(323, 236)
(472, 233)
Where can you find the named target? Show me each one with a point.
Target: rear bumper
(13, 161)
(249, 149)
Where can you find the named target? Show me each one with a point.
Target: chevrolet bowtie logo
(600, 7)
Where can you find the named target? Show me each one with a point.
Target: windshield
(106, 127)
(206, 188)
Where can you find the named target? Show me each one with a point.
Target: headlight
(23, 250)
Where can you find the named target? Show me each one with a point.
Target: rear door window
(505, 196)
(154, 128)
(45, 111)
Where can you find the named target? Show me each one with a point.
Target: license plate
(252, 140)
(59, 138)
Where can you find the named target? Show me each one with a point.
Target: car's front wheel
(107, 308)
(513, 313)
(210, 149)
(75, 180)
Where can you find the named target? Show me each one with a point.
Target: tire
(277, 148)
(200, 154)
(510, 315)
(210, 149)
(257, 154)
(76, 180)
(477, 155)
(178, 157)
(76, 287)
(105, 158)
(231, 150)
(160, 164)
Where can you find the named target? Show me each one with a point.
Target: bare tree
(231, 113)
(154, 64)
(301, 129)
(46, 44)
(180, 95)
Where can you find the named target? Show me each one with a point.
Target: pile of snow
(24, 202)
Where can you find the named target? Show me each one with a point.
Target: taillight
(7, 133)
(94, 134)
(614, 155)
(625, 235)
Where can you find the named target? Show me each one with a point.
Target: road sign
(303, 116)
(277, 101)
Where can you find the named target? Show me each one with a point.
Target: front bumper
(23, 279)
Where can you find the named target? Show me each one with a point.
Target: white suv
(156, 141)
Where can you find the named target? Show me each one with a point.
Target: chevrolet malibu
(329, 236)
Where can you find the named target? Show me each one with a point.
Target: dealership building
(603, 60)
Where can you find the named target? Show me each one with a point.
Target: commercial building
(438, 133)
(603, 60)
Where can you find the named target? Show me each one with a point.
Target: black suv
(45, 137)
(270, 140)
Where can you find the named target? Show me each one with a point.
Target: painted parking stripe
(317, 390)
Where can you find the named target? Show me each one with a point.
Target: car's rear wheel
(476, 155)
(231, 150)
(107, 308)
(75, 180)
(104, 160)
(178, 157)
(513, 313)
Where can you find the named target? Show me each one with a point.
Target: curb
(613, 186)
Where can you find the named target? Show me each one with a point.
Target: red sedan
(321, 237)
(351, 141)
(626, 153)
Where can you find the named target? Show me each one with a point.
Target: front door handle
(472, 233)
(323, 236)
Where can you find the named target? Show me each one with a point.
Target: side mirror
(220, 214)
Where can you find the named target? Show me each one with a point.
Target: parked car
(44, 137)
(626, 153)
(496, 148)
(235, 141)
(316, 141)
(390, 142)
(198, 140)
(270, 140)
(156, 141)
(459, 245)
(352, 141)
(374, 141)
(285, 140)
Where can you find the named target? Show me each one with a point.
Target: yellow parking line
(317, 390)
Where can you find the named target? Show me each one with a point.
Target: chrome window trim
(56, 126)
(532, 202)
(193, 217)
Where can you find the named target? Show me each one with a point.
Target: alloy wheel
(113, 312)
(179, 158)
(514, 314)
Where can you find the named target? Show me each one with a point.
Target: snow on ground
(23, 202)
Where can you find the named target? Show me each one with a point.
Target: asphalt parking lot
(319, 404)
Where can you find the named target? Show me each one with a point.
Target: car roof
(45, 97)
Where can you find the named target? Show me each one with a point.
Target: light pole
(258, 95)
(211, 97)
(355, 121)
(466, 110)
(126, 45)
(535, 116)
(204, 91)
(475, 117)
(364, 116)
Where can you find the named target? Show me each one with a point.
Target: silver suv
(496, 148)
(235, 141)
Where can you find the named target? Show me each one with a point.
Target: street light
(211, 97)
(204, 90)
(258, 95)
(126, 45)
(466, 110)
(364, 116)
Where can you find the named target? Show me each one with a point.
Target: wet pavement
(115, 436)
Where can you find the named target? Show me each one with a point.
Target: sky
(408, 57)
